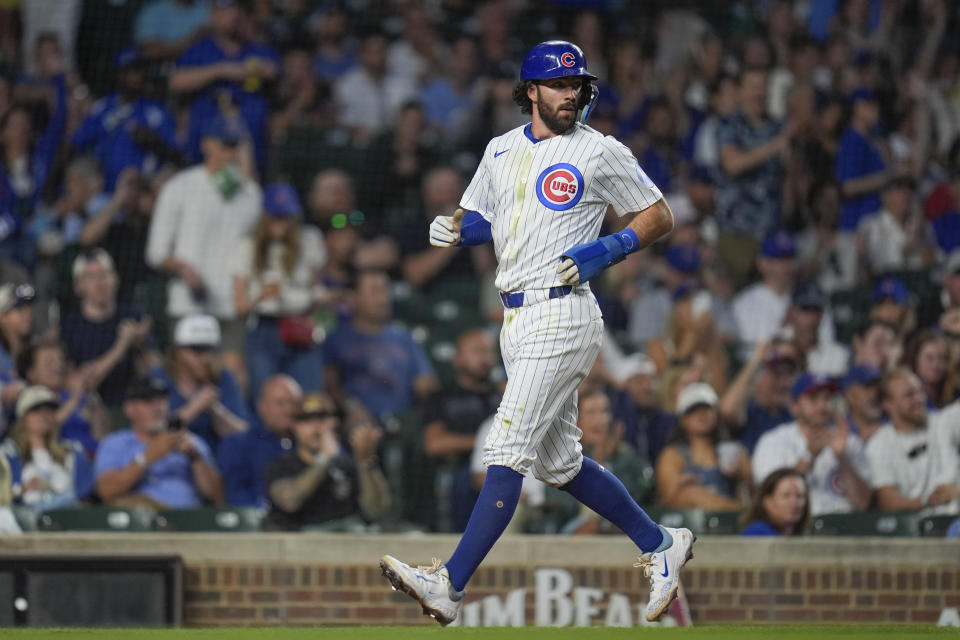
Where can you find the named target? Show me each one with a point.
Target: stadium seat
(693, 519)
(865, 524)
(222, 520)
(723, 523)
(96, 519)
(935, 526)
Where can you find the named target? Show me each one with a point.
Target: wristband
(474, 230)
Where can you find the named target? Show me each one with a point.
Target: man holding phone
(157, 462)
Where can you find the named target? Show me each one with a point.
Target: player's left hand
(568, 271)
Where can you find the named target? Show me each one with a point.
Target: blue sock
(603, 492)
(491, 515)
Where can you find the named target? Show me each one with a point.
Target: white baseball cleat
(430, 586)
(663, 569)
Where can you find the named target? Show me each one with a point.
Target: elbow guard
(475, 230)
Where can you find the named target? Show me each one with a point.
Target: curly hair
(520, 96)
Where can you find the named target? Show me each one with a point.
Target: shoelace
(434, 568)
(645, 563)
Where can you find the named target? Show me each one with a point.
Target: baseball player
(540, 193)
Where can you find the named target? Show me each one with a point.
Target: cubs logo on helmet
(559, 187)
(567, 59)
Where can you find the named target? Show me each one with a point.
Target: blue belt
(513, 300)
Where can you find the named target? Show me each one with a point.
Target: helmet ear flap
(586, 100)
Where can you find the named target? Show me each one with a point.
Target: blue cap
(811, 383)
(860, 374)
(778, 244)
(867, 95)
(891, 288)
(554, 59)
(126, 57)
(807, 295)
(227, 129)
(280, 201)
(685, 258)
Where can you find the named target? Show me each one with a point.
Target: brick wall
(228, 594)
(300, 579)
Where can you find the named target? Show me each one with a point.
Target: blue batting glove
(582, 262)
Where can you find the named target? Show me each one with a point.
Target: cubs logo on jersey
(560, 186)
(567, 59)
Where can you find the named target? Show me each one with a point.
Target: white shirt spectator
(297, 287)
(886, 239)
(785, 446)
(828, 358)
(908, 462)
(193, 223)
(838, 268)
(758, 311)
(365, 103)
(945, 431)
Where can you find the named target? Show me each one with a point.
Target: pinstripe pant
(548, 348)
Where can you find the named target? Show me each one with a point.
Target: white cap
(694, 395)
(197, 330)
(633, 365)
(33, 397)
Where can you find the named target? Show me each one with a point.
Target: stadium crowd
(218, 287)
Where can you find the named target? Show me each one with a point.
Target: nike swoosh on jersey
(497, 154)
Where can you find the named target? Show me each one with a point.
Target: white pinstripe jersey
(543, 197)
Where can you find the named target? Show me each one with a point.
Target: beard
(557, 122)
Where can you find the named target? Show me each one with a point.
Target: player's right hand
(445, 230)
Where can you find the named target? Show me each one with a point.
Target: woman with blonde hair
(276, 283)
(46, 472)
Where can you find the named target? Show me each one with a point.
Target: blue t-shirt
(243, 462)
(759, 421)
(749, 202)
(76, 427)
(329, 69)
(169, 20)
(250, 98)
(377, 370)
(856, 158)
(760, 528)
(169, 480)
(202, 425)
(108, 130)
(647, 429)
(442, 104)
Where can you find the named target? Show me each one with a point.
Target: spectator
(603, 441)
(825, 254)
(723, 104)
(637, 406)
(80, 416)
(155, 463)
(370, 360)
(297, 91)
(897, 237)
(451, 100)
(700, 468)
(748, 183)
(244, 457)
(759, 309)
(418, 54)
(691, 332)
(16, 316)
(932, 308)
(651, 308)
(61, 224)
(780, 506)
(319, 484)
(875, 344)
(818, 444)
(805, 317)
(225, 65)
(166, 28)
(46, 472)
(454, 413)
(927, 356)
(369, 96)
(424, 265)
(203, 395)
(892, 305)
(861, 391)
(201, 216)
(904, 464)
(276, 281)
(127, 129)
(861, 170)
(109, 340)
(334, 55)
(758, 398)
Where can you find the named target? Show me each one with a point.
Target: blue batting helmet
(555, 59)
